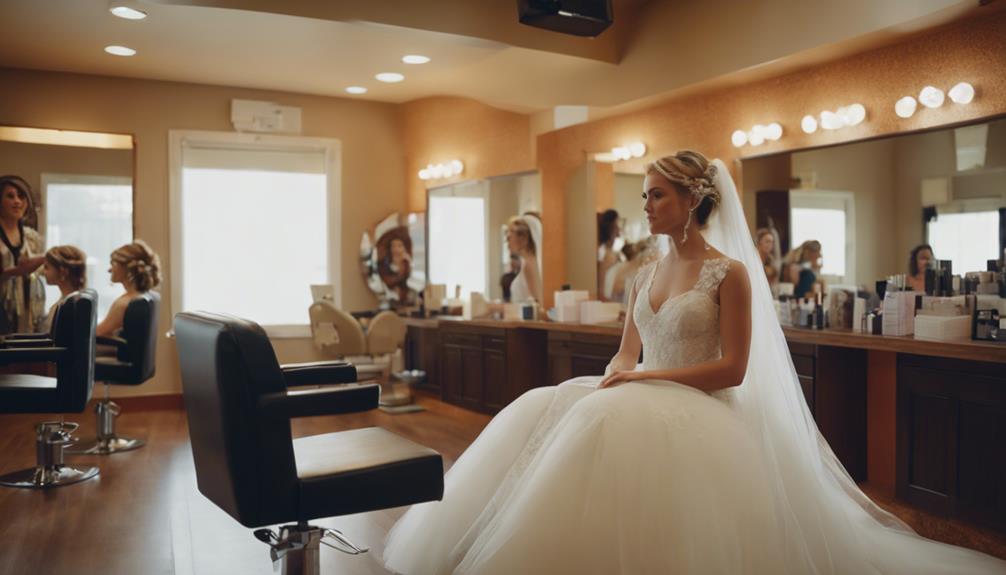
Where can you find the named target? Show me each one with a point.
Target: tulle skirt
(640, 478)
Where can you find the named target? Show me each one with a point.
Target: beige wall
(489, 141)
(372, 161)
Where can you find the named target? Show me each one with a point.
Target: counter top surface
(961, 349)
(609, 328)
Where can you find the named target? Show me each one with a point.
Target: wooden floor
(143, 515)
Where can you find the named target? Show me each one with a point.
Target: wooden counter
(969, 350)
(610, 328)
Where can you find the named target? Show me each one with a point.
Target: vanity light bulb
(843, 115)
(773, 131)
(962, 93)
(457, 167)
(905, 107)
(808, 124)
(424, 174)
(855, 114)
(637, 149)
(127, 12)
(931, 97)
(739, 138)
(621, 153)
(830, 120)
(755, 137)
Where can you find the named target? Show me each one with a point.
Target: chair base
(43, 477)
(106, 441)
(297, 548)
(99, 446)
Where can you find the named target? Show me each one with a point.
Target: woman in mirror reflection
(919, 261)
(524, 239)
(66, 268)
(22, 294)
(138, 269)
(767, 242)
(620, 276)
(609, 253)
(801, 267)
(702, 459)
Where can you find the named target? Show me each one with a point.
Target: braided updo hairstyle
(691, 174)
(70, 260)
(143, 267)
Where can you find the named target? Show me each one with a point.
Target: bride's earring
(688, 222)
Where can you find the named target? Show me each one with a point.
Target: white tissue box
(570, 297)
(599, 311)
(942, 327)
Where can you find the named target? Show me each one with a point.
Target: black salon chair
(72, 351)
(239, 403)
(132, 364)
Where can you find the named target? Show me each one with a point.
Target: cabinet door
(495, 380)
(472, 378)
(452, 373)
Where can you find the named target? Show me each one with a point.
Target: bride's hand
(618, 378)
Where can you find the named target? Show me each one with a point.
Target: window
(967, 238)
(251, 221)
(829, 218)
(457, 232)
(94, 213)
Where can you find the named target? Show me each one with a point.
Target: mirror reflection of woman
(524, 239)
(609, 229)
(395, 269)
(22, 295)
(919, 261)
(65, 268)
(138, 269)
(802, 266)
(767, 242)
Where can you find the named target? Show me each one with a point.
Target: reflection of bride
(699, 460)
(524, 239)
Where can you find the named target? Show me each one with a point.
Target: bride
(702, 459)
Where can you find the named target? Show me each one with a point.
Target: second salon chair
(132, 364)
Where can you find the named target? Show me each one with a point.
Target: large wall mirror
(82, 194)
(468, 223)
(870, 203)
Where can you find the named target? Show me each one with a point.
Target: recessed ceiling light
(415, 59)
(120, 51)
(356, 90)
(390, 77)
(127, 12)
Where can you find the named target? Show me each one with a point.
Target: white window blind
(254, 229)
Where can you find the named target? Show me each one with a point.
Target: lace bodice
(685, 330)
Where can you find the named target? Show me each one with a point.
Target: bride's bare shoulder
(736, 276)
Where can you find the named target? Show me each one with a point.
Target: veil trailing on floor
(831, 519)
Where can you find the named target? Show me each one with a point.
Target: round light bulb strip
(933, 97)
(439, 171)
(757, 135)
(844, 117)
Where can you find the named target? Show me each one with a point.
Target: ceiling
(478, 49)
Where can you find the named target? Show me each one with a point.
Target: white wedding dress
(658, 477)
